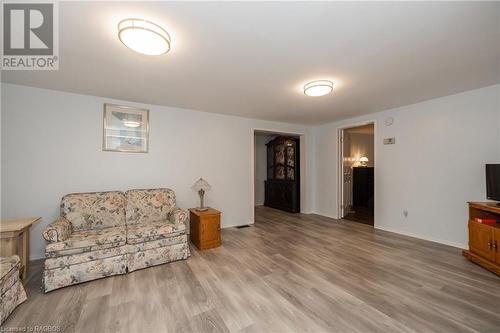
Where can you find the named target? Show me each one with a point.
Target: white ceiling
(251, 59)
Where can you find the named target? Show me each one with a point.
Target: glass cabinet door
(281, 159)
(280, 172)
(279, 156)
(270, 161)
(290, 159)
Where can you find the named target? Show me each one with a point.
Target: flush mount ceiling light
(143, 36)
(318, 88)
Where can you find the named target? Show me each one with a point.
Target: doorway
(357, 173)
(277, 171)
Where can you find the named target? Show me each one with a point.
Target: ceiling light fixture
(318, 88)
(143, 36)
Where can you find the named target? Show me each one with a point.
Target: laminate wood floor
(300, 273)
(361, 215)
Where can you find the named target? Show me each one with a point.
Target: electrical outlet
(405, 213)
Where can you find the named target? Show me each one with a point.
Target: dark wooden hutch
(282, 187)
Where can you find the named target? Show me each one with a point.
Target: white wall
(498, 107)
(435, 167)
(361, 145)
(51, 145)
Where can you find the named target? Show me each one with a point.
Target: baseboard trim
(325, 215)
(236, 225)
(430, 239)
(404, 233)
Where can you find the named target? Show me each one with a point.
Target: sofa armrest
(58, 230)
(177, 216)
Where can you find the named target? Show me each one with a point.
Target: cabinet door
(210, 228)
(496, 240)
(194, 231)
(480, 240)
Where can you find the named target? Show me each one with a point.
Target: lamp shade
(201, 184)
(363, 161)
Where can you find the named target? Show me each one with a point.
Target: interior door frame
(340, 163)
(304, 180)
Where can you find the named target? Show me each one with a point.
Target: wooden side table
(15, 239)
(205, 228)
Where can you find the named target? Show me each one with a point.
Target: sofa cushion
(94, 210)
(86, 271)
(68, 260)
(153, 230)
(156, 256)
(149, 205)
(153, 244)
(88, 240)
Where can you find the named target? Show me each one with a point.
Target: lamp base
(201, 209)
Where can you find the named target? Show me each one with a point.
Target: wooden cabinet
(282, 187)
(205, 228)
(363, 186)
(496, 244)
(481, 240)
(484, 239)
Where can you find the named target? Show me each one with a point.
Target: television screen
(493, 181)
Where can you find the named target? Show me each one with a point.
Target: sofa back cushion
(94, 210)
(149, 205)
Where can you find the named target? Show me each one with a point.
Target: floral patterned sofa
(156, 228)
(102, 234)
(11, 289)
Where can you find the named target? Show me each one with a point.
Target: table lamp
(201, 186)
(364, 161)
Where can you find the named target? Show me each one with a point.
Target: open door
(356, 176)
(346, 197)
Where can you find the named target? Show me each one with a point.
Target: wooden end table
(15, 239)
(205, 228)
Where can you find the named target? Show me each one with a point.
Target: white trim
(426, 238)
(237, 225)
(328, 215)
(409, 234)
